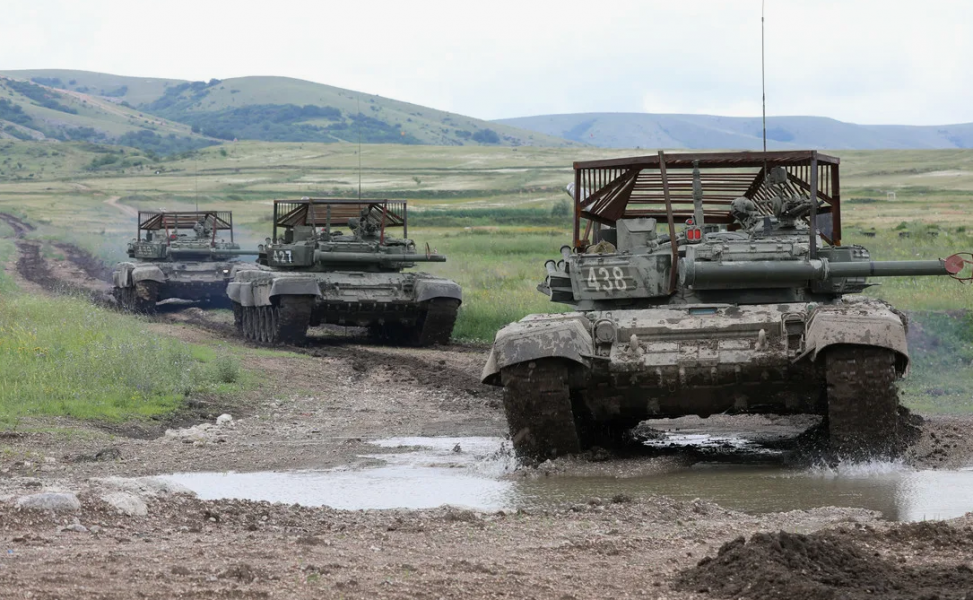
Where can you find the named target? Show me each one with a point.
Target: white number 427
(283, 256)
(601, 279)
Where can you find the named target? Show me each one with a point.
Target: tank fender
(437, 288)
(240, 292)
(535, 339)
(293, 286)
(879, 326)
(121, 276)
(147, 273)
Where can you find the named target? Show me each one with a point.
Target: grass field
(455, 193)
(65, 356)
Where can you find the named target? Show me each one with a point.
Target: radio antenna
(763, 84)
(359, 144)
(196, 181)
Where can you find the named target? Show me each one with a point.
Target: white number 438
(603, 279)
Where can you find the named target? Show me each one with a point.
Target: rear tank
(746, 308)
(312, 273)
(180, 255)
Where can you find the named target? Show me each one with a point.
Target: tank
(336, 262)
(701, 284)
(177, 255)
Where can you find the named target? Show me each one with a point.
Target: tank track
(537, 402)
(437, 323)
(434, 326)
(140, 298)
(283, 324)
(863, 402)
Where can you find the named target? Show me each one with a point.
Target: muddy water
(479, 473)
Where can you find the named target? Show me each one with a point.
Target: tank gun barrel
(210, 251)
(372, 258)
(707, 275)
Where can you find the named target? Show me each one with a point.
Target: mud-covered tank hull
(623, 366)
(139, 287)
(410, 308)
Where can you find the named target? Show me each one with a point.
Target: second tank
(335, 261)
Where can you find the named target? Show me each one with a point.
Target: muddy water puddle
(480, 473)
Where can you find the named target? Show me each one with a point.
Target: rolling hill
(641, 130)
(29, 111)
(283, 109)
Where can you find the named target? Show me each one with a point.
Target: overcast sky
(863, 61)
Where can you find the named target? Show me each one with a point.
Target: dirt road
(110, 536)
(124, 208)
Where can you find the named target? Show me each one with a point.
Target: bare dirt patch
(915, 560)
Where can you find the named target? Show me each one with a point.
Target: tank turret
(708, 283)
(336, 261)
(183, 255)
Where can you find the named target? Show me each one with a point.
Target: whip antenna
(763, 84)
(358, 121)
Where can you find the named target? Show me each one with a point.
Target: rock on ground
(57, 502)
(127, 504)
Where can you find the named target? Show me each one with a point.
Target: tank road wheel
(436, 323)
(537, 402)
(259, 325)
(145, 295)
(251, 323)
(125, 297)
(238, 317)
(863, 402)
(290, 319)
(266, 324)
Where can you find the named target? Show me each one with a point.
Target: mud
(840, 564)
(317, 408)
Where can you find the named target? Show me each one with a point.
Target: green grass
(942, 352)
(498, 269)
(64, 356)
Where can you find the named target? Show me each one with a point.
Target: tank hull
(395, 306)
(624, 366)
(138, 286)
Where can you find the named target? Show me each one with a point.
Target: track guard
(836, 325)
(428, 289)
(551, 336)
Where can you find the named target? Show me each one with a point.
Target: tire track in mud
(33, 267)
(427, 367)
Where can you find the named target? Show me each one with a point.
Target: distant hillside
(640, 130)
(285, 109)
(30, 111)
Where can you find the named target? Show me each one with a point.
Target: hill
(286, 109)
(30, 111)
(641, 130)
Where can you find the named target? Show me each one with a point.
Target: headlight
(605, 331)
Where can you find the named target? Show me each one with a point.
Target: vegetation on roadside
(941, 349)
(65, 356)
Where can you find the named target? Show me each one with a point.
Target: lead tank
(312, 273)
(700, 286)
(177, 255)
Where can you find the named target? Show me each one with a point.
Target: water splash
(858, 469)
